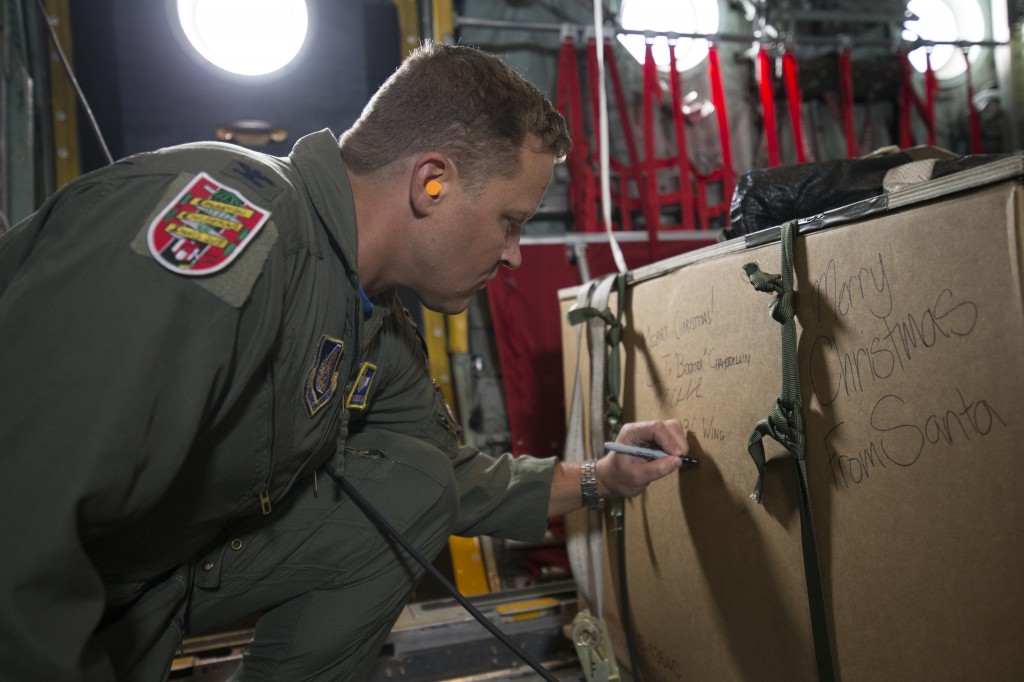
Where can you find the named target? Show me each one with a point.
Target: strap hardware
(593, 648)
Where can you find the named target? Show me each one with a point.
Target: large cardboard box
(910, 323)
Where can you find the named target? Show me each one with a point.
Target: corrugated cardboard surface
(911, 364)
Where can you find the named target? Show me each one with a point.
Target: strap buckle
(590, 637)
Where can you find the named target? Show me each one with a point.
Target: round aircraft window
(247, 37)
(685, 16)
(944, 20)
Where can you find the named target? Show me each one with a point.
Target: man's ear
(429, 183)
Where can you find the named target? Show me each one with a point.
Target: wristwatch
(588, 485)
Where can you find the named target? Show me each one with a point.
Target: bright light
(944, 20)
(685, 16)
(248, 37)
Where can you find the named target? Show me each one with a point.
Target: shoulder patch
(250, 175)
(204, 228)
(322, 382)
(359, 396)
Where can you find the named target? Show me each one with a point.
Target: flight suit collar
(318, 160)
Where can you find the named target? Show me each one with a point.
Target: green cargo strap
(613, 337)
(786, 425)
(613, 424)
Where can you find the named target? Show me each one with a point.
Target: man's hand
(621, 475)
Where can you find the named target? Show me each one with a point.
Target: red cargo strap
(725, 172)
(977, 146)
(581, 177)
(651, 90)
(764, 64)
(911, 101)
(931, 86)
(790, 71)
(682, 153)
(846, 100)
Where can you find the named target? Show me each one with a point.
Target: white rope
(602, 115)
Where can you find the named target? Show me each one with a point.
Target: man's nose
(511, 257)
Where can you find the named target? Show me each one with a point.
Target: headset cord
(378, 519)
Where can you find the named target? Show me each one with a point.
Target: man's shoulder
(250, 171)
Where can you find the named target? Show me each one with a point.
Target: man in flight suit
(196, 342)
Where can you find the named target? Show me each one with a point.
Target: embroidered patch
(252, 175)
(323, 378)
(204, 228)
(359, 395)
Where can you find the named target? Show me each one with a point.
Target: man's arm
(620, 475)
(109, 367)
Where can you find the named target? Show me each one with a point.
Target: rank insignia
(204, 228)
(323, 378)
(358, 397)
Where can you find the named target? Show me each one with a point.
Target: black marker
(646, 453)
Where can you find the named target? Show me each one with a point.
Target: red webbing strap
(771, 135)
(620, 102)
(790, 72)
(911, 101)
(846, 100)
(931, 86)
(718, 98)
(977, 146)
(682, 154)
(651, 90)
(581, 177)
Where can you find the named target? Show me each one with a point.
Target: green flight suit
(330, 583)
(144, 411)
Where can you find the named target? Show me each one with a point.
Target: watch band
(588, 485)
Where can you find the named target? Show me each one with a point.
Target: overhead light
(247, 37)
(685, 16)
(947, 21)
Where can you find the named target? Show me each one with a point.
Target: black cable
(377, 518)
(74, 83)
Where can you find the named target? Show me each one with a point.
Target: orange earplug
(433, 188)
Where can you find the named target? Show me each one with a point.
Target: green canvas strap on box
(786, 425)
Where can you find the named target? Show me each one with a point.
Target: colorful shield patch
(323, 378)
(204, 228)
(359, 396)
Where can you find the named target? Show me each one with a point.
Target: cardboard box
(910, 323)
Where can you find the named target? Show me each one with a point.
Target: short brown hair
(460, 101)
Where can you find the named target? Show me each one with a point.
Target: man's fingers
(668, 435)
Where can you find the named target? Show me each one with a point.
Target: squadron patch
(323, 378)
(204, 228)
(358, 397)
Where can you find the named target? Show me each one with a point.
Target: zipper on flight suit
(264, 494)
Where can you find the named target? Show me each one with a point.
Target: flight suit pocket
(366, 465)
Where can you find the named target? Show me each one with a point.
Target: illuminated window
(944, 20)
(684, 16)
(248, 37)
